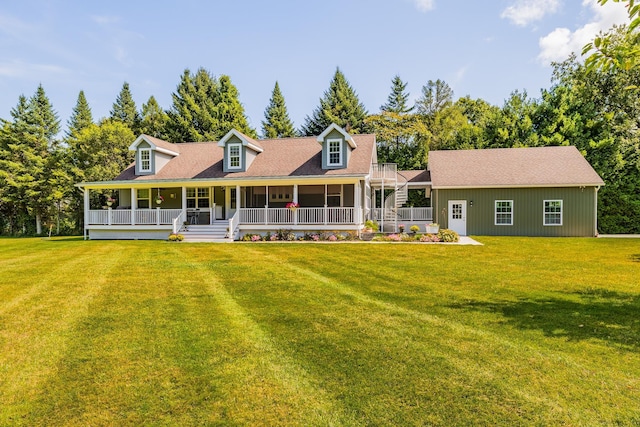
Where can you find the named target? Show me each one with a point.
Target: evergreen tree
(229, 111)
(435, 96)
(205, 108)
(397, 100)
(277, 123)
(340, 105)
(81, 116)
(154, 119)
(28, 173)
(124, 109)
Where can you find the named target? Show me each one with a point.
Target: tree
(81, 116)
(435, 96)
(154, 119)
(398, 98)
(277, 123)
(399, 138)
(99, 152)
(619, 48)
(229, 112)
(28, 148)
(124, 109)
(339, 105)
(205, 108)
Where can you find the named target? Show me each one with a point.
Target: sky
(482, 49)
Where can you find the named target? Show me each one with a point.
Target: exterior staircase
(215, 232)
(394, 201)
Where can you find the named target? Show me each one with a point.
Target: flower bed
(443, 235)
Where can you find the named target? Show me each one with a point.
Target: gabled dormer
(152, 154)
(337, 145)
(239, 151)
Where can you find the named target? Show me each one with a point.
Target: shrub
(446, 235)
(429, 238)
(370, 226)
(173, 237)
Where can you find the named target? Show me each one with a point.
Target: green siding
(528, 210)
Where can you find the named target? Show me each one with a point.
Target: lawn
(520, 331)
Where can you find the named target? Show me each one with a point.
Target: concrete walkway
(620, 236)
(466, 240)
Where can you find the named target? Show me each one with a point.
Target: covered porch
(164, 209)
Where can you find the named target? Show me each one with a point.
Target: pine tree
(397, 100)
(205, 108)
(229, 111)
(154, 119)
(340, 105)
(277, 123)
(81, 117)
(124, 109)
(435, 97)
(28, 173)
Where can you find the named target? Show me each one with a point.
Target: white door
(458, 216)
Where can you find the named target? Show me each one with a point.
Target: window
(504, 212)
(198, 197)
(553, 212)
(234, 156)
(143, 196)
(334, 152)
(145, 160)
(334, 195)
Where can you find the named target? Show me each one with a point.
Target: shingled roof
(286, 157)
(562, 166)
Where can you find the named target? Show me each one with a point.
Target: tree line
(596, 108)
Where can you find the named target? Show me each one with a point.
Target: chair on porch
(193, 216)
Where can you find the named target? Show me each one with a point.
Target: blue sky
(481, 49)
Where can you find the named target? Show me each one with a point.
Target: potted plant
(369, 230)
(433, 228)
(414, 229)
(401, 228)
(159, 199)
(110, 201)
(292, 206)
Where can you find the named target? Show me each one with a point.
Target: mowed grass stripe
(177, 349)
(513, 357)
(37, 325)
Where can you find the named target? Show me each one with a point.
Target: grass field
(520, 331)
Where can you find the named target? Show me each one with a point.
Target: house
(239, 185)
(539, 191)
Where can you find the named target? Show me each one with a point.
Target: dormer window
(334, 152)
(235, 156)
(145, 159)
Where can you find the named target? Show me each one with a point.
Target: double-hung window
(553, 212)
(334, 152)
(504, 212)
(145, 160)
(235, 156)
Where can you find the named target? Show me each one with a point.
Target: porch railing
(403, 214)
(300, 216)
(384, 171)
(140, 216)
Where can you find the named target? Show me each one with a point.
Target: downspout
(595, 230)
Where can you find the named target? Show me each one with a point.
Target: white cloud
(523, 12)
(561, 42)
(19, 68)
(424, 5)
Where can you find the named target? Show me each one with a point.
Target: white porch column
(295, 200)
(238, 198)
(86, 211)
(134, 203)
(357, 198)
(184, 198)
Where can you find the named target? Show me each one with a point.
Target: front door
(458, 216)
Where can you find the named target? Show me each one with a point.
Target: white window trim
(144, 150)
(229, 146)
(495, 212)
(339, 141)
(544, 212)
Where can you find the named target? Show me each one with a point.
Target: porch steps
(215, 232)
